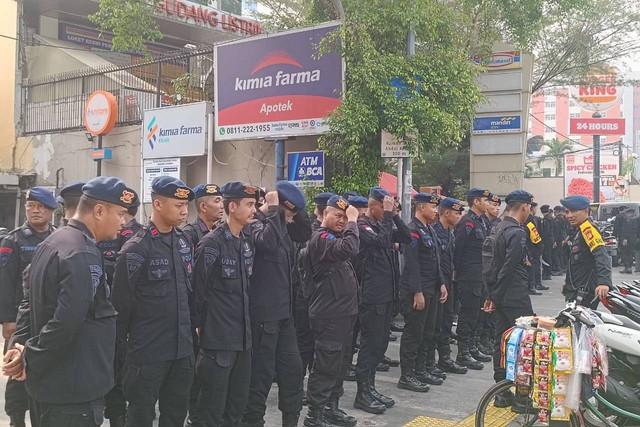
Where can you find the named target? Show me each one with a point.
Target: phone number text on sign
(274, 129)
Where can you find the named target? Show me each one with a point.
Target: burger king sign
(100, 112)
(599, 92)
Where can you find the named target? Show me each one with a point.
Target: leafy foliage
(555, 152)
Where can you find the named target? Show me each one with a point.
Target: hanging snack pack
(525, 362)
(512, 354)
(562, 352)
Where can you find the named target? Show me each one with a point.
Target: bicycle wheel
(487, 414)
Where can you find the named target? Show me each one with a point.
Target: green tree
(556, 152)
(448, 168)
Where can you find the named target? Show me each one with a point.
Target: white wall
(546, 191)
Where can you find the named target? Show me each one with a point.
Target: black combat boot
(485, 346)
(16, 421)
(477, 354)
(522, 404)
(386, 401)
(391, 362)
(335, 416)
(383, 367)
(289, 419)
(431, 367)
(464, 358)
(446, 363)
(315, 417)
(350, 373)
(366, 401)
(411, 383)
(504, 399)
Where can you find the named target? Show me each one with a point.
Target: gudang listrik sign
(271, 86)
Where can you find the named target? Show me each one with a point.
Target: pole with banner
(408, 166)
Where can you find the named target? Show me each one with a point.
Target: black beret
(359, 202)
(520, 196)
(378, 193)
(169, 186)
(495, 198)
(426, 198)
(478, 192)
(449, 203)
(558, 208)
(575, 203)
(72, 190)
(338, 202)
(321, 199)
(110, 189)
(349, 194)
(202, 190)
(239, 190)
(291, 197)
(42, 195)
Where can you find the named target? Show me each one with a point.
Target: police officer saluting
(377, 282)
(275, 348)
(333, 307)
(16, 251)
(68, 361)
(470, 233)
(589, 268)
(151, 293)
(209, 207)
(224, 264)
(505, 275)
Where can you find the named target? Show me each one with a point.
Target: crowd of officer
(105, 317)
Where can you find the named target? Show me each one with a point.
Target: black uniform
(377, 280)
(510, 291)
(151, 294)
(470, 233)
(534, 249)
(547, 232)
(559, 234)
(446, 240)
(69, 359)
(486, 321)
(627, 235)
(196, 231)
(224, 264)
(333, 306)
(16, 251)
(275, 348)
(421, 273)
(589, 264)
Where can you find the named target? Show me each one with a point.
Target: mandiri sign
(306, 169)
(275, 86)
(497, 124)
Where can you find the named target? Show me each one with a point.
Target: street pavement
(455, 400)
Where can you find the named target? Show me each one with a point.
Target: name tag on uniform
(591, 236)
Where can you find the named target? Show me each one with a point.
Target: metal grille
(56, 103)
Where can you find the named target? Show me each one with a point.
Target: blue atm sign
(306, 168)
(497, 124)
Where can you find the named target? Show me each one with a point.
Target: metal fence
(56, 103)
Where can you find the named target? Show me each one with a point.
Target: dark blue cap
(110, 189)
(349, 194)
(575, 203)
(453, 204)
(338, 202)
(519, 196)
(42, 195)
(202, 190)
(495, 198)
(478, 192)
(239, 190)
(558, 208)
(426, 198)
(169, 186)
(359, 202)
(321, 199)
(291, 197)
(72, 190)
(378, 193)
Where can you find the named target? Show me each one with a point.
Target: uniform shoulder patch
(96, 276)
(591, 236)
(328, 236)
(469, 226)
(369, 229)
(414, 239)
(5, 254)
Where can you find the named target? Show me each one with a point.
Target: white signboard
(392, 146)
(578, 175)
(178, 131)
(158, 167)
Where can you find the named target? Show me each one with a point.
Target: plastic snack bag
(561, 337)
(541, 399)
(562, 361)
(574, 386)
(558, 409)
(512, 354)
(543, 417)
(560, 384)
(582, 362)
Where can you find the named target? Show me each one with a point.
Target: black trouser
(332, 354)
(470, 304)
(534, 278)
(419, 326)
(486, 325)
(224, 377)
(448, 313)
(275, 352)
(375, 321)
(430, 340)
(627, 251)
(16, 399)
(87, 414)
(505, 318)
(167, 383)
(546, 256)
(195, 387)
(304, 334)
(115, 403)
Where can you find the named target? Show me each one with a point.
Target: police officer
(449, 214)
(507, 282)
(224, 264)
(559, 234)
(72, 321)
(333, 307)
(377, 281)
(210, 209)
(274, 345)
(493, 210)
(467, 259)
(69, 198)
(16, 251)
(589, 268)
(132, 226)
(151, 294)
(627, 235)
(534, 249)
(547, 232)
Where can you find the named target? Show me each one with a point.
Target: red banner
(592, 126)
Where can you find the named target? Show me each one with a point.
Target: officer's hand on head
(352, 214)
(8, 329)
(443, 294)
(418, 301)
(12, 361)
(272, 198)
(388, 203)
(602, 291)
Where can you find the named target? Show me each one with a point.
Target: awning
(390, 183)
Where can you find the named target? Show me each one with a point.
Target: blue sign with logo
(306, 168)
(497, 124)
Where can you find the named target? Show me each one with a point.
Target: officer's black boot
(446, 363)
(504, 399)
(335, 416)
(522, 404)
(350, 374)
(366, 401)
(117, 422)
(477, 354)
(411, 383)
(290, 420)
(464, 358)
(431, 367)
(391, 362)
(16, 421)
(386, 401)
(485, 346)
(315, 417)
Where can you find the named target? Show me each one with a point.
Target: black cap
(349, 194)
(72, 190)
(291, 197)
(426, 198)
(478, 192)
(378, 193)
(558, 208)
(575, 203)
(520, 196)
(495, 198)
(450, 203)
(171, 187)
(321, 199)
(202, 190)
(338, 202)
(110, 189)
(239, 190)
(42, 195)
(359, 202)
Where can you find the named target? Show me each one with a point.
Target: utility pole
(596, 163)
(407, 163)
